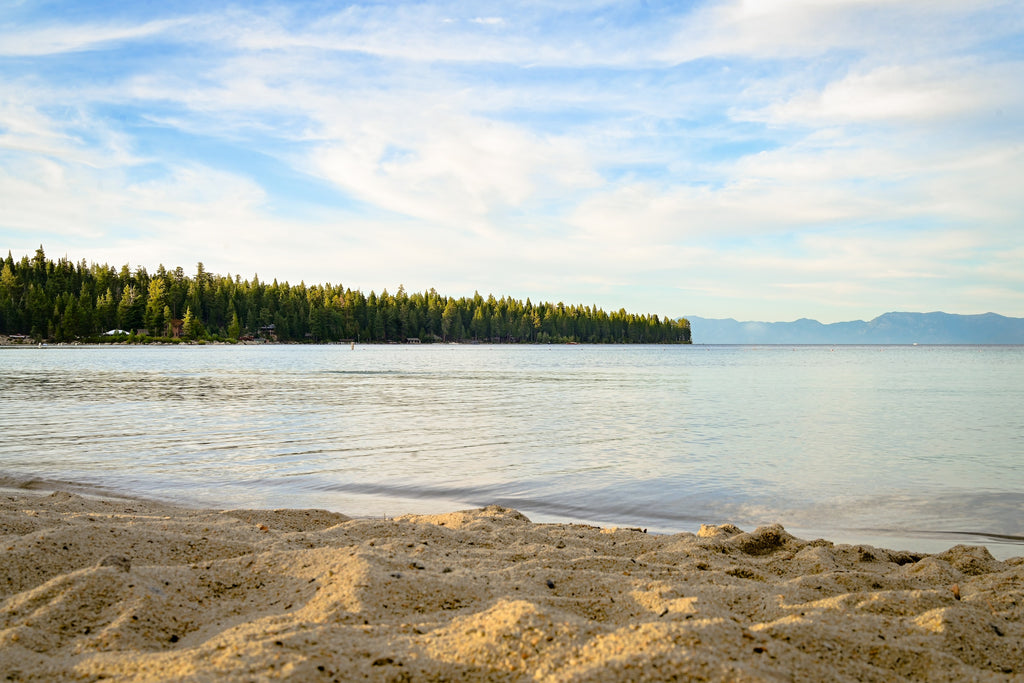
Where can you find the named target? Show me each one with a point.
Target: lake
(908, 447)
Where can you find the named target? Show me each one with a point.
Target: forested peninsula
(62, 301)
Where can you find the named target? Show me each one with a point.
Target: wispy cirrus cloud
(923, 95)
(875, 30)
(60, 39)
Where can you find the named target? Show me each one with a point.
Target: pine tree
(234, 327)
(192, 327)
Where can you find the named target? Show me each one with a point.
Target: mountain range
(890, 328)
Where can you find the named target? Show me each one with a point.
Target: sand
(105, 589)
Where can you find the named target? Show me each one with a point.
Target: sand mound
(97, 589)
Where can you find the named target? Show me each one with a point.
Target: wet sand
(110, 589)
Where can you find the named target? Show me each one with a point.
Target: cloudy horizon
(751, 160)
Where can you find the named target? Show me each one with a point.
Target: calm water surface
(910, 447)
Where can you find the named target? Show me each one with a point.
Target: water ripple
(848, 442)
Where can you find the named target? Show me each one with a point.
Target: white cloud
(805, 188)
(902, 94)
(644, 212)
(193, 214)
(852, 274)
(77, 137)
(440, 164)
(427, 33)
(808, 28)
(51, 40)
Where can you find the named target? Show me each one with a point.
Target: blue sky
(763, 160)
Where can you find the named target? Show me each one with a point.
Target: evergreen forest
(63, 301)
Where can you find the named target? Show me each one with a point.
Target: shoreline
(1001, 546)
(129, 589)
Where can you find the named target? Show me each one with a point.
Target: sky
(760, 160)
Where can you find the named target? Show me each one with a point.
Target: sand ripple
(96, 589)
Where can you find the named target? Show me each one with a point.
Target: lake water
(913, 447)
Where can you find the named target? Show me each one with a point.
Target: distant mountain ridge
(890, 328)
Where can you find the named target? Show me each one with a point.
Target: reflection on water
(857, 442)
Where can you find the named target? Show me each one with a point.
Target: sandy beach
(112, 589)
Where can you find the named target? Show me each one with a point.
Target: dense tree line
(65, 301)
